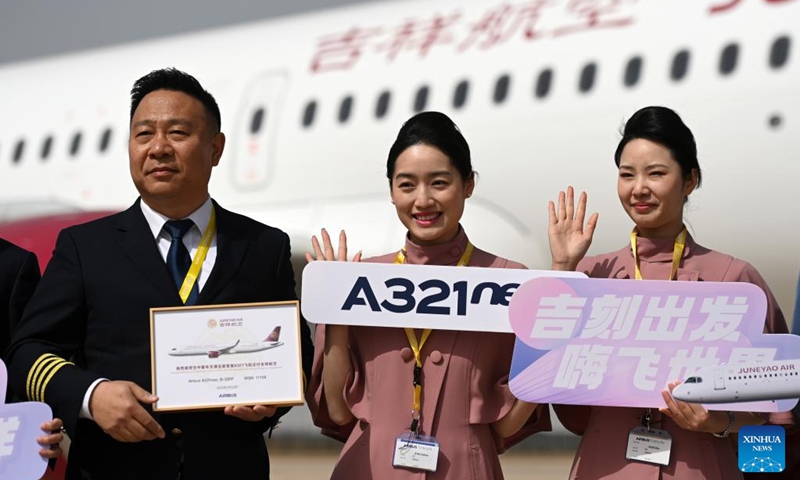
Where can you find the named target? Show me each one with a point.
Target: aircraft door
(256, 130)
(719, 382)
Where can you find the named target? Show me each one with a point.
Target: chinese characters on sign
(611, 342)
(224, 366)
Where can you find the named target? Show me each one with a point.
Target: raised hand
(326, 251)
(116, 408)
(569, 238)
(336, 357)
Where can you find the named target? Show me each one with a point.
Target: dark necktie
(178, 259)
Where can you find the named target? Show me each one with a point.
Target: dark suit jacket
(19, 274)
(92, 307)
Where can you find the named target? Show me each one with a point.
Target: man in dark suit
(19, 274)
(83, 345)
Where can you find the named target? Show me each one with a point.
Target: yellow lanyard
(677, 253)
(199, 257)
(416, 346)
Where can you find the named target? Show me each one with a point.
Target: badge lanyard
(416, 346)
(677, 254)
(199, 257)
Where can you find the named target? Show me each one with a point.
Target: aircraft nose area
(683, 392)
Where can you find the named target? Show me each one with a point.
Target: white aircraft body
(311, 104)
(774, 380)
(215, 350)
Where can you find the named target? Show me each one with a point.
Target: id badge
(416, 451)
(649, 446)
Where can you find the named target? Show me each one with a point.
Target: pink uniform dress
(464, 390)
(695, 455)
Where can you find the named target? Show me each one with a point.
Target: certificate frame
(209, 357)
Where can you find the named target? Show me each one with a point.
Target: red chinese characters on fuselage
(528, 21)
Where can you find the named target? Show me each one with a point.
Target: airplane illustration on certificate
(774, 380)
(215, 350)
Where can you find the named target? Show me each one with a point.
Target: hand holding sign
(116, 408)
(618, 343)
(50, 441)
(336, 364)
(21, 436)
(691, 416)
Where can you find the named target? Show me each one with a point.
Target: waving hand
(569, 238)
(326, 251)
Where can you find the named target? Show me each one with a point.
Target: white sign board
(413, 296)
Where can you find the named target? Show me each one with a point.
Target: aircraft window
(382, 106)
(308, 113)
(105, 139)
(19, 150)
(727, 61)
(345, 108)
(680, 65)
(501, 89)
(421, 98)
(587, 77)
(257, 120)
(460, 94)
(543, 83)
(633, 71)
(779, 52)
(693, 380)
(75, 146)
(47, 145)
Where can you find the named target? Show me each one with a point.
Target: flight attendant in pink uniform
(658, 170)
(362, 388)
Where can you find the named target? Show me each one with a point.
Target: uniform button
(407, 354)
(176, 432)
(436, 357)
(455, 251)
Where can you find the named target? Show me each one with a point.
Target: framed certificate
(212, 356)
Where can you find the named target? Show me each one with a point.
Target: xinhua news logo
(762, 448)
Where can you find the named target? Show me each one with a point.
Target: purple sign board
(618, 343)
(19, 428)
